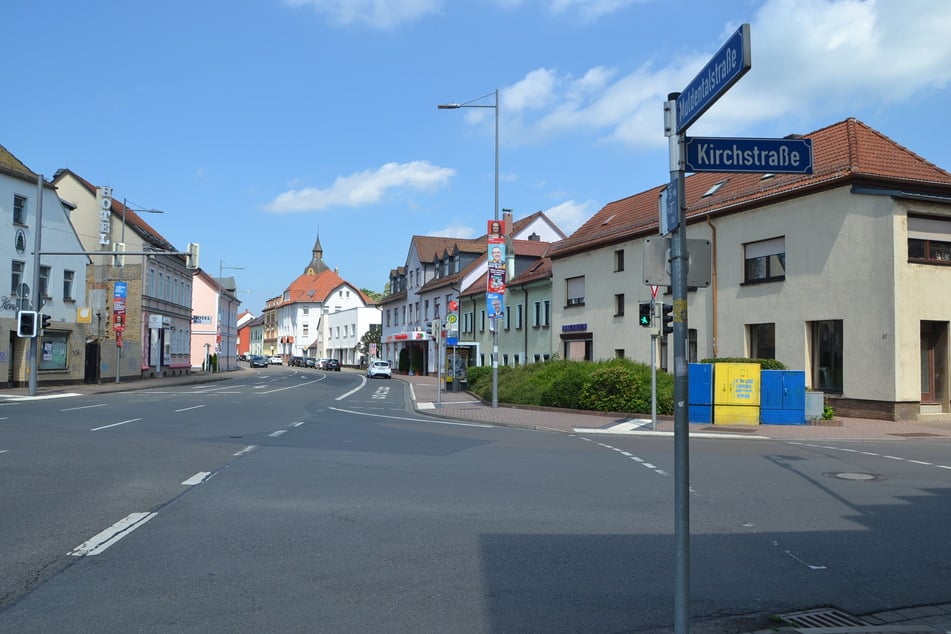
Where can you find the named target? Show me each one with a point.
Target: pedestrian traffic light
(436, 328)
(26, 323)
(45, 321)
(667, 319)
(644, 314)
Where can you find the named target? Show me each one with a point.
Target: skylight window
(715, 188)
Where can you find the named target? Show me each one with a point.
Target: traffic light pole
(32, 360)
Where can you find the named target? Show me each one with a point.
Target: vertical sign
(104, 196)
(118, 310)
(496, 272)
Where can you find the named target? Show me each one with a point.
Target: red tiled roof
(846, 152)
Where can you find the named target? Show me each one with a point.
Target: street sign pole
(678, 277)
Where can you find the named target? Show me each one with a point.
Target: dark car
(257, 361)
(310, 362)
(297, 361)
(332, 364)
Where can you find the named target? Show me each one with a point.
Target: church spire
(317, 266)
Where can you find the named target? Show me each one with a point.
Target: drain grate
(822, 617)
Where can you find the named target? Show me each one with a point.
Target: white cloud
(589, 9)
(380, 14)
(364, 188)
(455, 231)
(570, 215)
(810, 58)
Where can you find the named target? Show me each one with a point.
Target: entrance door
(92, 362)
(934, 361)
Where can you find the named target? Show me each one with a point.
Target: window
(519, 316)
(19, 210)
(619, 305)
(68, 277)
(826, 338)
(536, 314)
(44, 281)
(619, 260)
(16, 277)
(508, 320)
(482, 323)
(929, 240)
(546, 313)
(619, 353)
(762, 341)
(574, 287)
(765, 261)
(305, 330)
(52, 353)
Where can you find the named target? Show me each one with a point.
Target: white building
(62, 349)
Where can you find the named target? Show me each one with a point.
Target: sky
(258, 126)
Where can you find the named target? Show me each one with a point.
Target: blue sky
(254, 125)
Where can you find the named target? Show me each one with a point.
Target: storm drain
(822, 617)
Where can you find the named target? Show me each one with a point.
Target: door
(934, 362)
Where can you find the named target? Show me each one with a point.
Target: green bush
(766, 364)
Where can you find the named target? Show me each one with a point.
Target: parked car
(310, 362)
(379, 369)
(322, 364)
(276, 360)
(297, 361)
(257, 361)
(332, 364)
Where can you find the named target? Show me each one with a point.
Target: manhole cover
(854, 476)
(822, 617)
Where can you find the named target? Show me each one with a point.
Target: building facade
(836, 273)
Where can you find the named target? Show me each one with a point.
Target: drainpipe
(525, 325)
(713, 283)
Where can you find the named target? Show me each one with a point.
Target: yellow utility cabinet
(736, 393)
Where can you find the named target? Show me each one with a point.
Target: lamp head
(448, 106)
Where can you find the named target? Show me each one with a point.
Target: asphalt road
(300, 501)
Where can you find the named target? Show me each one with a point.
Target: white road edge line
(413, 420)
(246, 450)
(185, 409)
(277, 433)
(72, 409)
(111, 535)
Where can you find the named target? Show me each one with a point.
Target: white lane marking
(41, 397)
(198, 478)
(277, 433)
(246, 450)
(131, 420)
(4, 450)
(363, 381)
(72, 409)
(629, 455)
(185, 409)
(809, 566)
(293, 387)
(412, 420)
(297, 424)
(111, 535)
(873, 454)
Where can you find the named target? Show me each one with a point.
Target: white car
(379, 368)
(275, 360)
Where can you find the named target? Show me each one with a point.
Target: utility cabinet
(700, 392)
(783, 397)
(736, 394)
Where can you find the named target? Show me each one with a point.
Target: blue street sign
(767, 156)
(722, 71)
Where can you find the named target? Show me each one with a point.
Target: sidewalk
(464, 406)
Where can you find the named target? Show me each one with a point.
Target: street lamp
(495, 329)
(224, 331)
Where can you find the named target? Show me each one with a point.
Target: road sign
(722, 71)
(767, 156)
(669, 208)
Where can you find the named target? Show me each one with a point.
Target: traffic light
(644, 314)
(667, 319)
(45, 321)
(26, 323)
(118, 248)
(436, 328)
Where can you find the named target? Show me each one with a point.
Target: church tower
(316, 266)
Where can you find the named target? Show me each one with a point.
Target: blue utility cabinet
(783, 397)
(700, 392)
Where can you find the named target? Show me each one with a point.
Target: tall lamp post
(224, 329)
(495, 329)
(119, 262)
